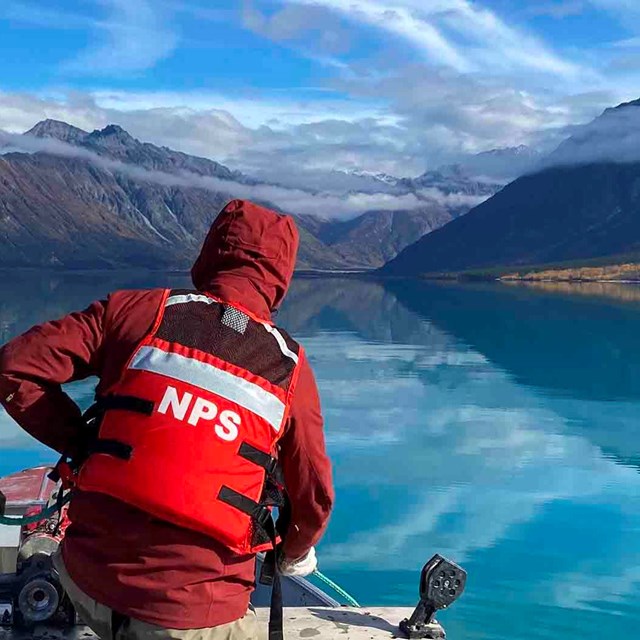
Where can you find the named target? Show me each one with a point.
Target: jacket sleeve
(306, 467)
(33, 367)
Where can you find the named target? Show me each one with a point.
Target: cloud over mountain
(327, 204)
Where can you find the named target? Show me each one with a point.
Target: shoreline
(549, 276)
(571, 280)
(617, 273)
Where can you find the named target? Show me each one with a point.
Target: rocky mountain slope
(74, 210)
(377, 236)
(114, 142)
(584, 204)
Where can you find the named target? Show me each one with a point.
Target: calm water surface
(497, 425)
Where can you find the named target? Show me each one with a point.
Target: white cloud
(310, 135)
(292, 200)
(133, 37)
(478, 82)
(482, 83)
(403, 22)
(311, 27)
(455, 33)
(446, 113)
(433, 119)
(613, 137)
(485, 84)
(276, 111)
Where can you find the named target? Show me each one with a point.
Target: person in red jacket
(130, 573)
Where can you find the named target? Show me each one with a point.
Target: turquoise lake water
(495, 424)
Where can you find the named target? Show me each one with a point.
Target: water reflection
(610, 290)
(573, 345)
(494, 424)
(566, 347)
(497, 425)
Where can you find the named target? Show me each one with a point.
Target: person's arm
(307, 469)
(33, 367)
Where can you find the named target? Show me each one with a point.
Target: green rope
(337, 588)
(41, 515)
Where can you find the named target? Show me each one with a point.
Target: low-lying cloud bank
(614, 137)
(292, 200)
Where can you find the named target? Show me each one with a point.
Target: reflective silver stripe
(281, 342)
(189, 297)
(206, 376)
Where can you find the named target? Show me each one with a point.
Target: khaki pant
(101, 619)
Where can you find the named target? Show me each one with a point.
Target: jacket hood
(248, 257)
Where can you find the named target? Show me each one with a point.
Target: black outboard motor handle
(441, 584)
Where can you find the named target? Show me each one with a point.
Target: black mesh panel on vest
(230, 335)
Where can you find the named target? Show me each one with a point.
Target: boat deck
(323, 623)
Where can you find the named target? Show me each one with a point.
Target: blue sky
(288, 85)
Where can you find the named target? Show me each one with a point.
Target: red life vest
(190, 431)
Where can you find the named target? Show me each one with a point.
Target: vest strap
(113, 448)
(262, 515)
(276, 619)
(262, 459)
(114, 402)
(93, 416)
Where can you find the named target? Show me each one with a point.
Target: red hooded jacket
(134, 563)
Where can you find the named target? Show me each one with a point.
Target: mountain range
(582, 204)
(103, 199)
